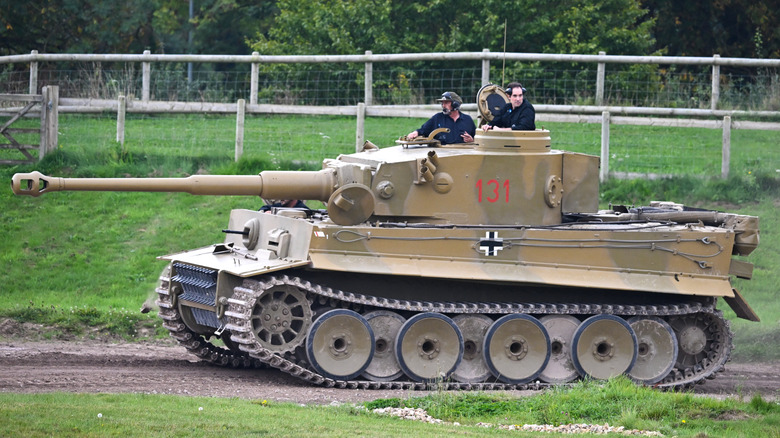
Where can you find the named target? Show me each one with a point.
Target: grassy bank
(80, 260)
(618, 403)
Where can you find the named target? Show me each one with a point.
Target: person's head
(450, 101)
(516, 93)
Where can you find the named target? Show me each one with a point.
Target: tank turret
(505, 178)
(484, 265)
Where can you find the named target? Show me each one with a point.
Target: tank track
(245, 296)
(195, 343)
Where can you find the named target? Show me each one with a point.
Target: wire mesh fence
(284, 141)
(639, 150)
(551, 83)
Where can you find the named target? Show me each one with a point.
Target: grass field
(617, 402)
(171, 144)
(78, 260)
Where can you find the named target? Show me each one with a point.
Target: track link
(244, 299)
(195, 343)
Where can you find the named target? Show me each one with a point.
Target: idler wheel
(280, 318)
(340, 344)
(384, 366)
(473, 367)
(604, 346)
(560, 368)
(429, 346)
(703, 339)
(657, 349)
(517, 348)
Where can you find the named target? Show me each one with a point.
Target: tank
(483, 266)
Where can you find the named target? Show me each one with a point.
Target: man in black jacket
(461, 126)
(518, 114)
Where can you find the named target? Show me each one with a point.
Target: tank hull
(308, 266)
(647, 257)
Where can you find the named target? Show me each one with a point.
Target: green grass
(672, 151)
(77, 259)
(185, 144)
(140, 415)
(78, 252)
(617, 402)
(81, 264)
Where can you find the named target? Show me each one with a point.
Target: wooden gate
(47, 103)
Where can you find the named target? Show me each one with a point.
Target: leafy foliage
(75, 26)
(130, 26)
(384, 26)
(736, 28)
(731, 28)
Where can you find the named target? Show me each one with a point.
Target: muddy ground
(165, 368)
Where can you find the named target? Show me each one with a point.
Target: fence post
(240, 128)
(49, 119)
(360, 134)
(485, 68)
(715, 82)
(604, 172)
(726, 160)
(369, 85)
(600, 72)
(146, 68)
(254, 79)
(42, 148)
(120, 119)
(34, 74)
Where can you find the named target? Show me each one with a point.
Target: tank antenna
(503, 63)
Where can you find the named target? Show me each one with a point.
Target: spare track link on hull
(195, 343)
(706, 364)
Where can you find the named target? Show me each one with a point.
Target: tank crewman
(462, 127)
(518, 114)
(285, 203)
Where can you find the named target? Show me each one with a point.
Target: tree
(75, 26)
(130, 26)
(730, 28)
(384, 26)
(403, 26)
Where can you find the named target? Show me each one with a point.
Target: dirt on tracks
(165, 368)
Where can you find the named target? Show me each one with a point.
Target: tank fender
(741, 307)
(258, 243)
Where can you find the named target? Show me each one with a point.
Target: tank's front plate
(234, 261)
(277, 243)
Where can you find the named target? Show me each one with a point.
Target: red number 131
(493, 190)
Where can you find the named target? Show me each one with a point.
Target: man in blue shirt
(462, 128)
(517, 115)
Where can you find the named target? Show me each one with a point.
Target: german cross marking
(491, 244)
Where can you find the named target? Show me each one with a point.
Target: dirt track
(92, 367)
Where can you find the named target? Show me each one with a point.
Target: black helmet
(452, 97)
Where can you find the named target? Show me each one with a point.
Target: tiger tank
(483, 265)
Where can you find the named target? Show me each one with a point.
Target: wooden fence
(602, 60)
(47, 111)
(712, 118)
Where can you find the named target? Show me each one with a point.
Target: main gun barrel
(314, 185)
